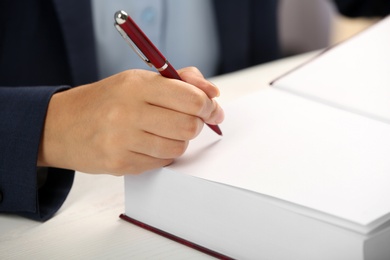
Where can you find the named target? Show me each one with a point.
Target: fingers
(186, 98)
(124, 153)
(157, 146)
(171, 124)
(194, 77)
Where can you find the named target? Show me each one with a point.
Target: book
(302, 171)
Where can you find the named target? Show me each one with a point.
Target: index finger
(185, 98)
(193, 76)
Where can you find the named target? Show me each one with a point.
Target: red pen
(146, 50)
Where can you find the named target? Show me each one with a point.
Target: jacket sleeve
(363, 8)
(22, 115)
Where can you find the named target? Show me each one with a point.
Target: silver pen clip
(133, 45)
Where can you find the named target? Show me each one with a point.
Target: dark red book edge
(174, 238)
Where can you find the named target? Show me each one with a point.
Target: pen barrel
(143, 43)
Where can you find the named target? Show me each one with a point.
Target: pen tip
(216, 129)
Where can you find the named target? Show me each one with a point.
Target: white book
(302, 171)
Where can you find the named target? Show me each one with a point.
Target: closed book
(302, 171)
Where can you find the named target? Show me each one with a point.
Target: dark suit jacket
(48, 46)
(45, 47)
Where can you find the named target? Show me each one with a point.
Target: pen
(146, 50)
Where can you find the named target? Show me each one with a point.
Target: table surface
(88, 224)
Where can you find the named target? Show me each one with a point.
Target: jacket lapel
(75, 18)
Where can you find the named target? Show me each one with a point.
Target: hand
(131, 122)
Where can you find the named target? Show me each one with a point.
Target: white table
(88, 226)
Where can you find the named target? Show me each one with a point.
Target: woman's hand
(131, 122)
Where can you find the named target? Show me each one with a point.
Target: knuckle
(191, 128)
(120, 168)
(179, 149)
(115, 114)
(193, 69)
(173, 150)
(116, 166)
(128, 75)
(198, 102)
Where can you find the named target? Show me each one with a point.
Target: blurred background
(345, 27)
(306, 25)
